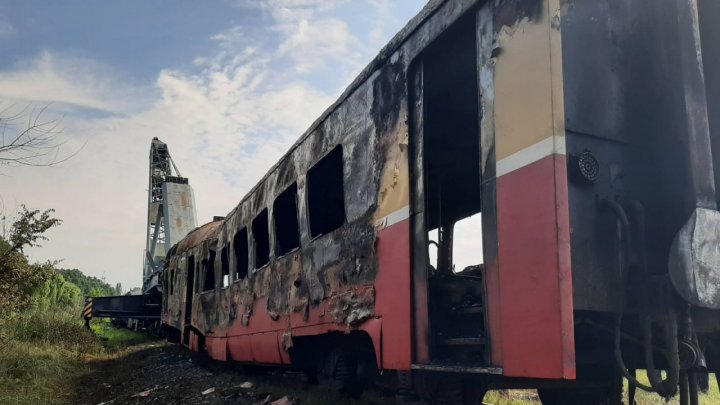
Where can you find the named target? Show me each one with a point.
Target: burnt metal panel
(626, 104)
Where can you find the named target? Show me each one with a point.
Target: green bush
(56, 292)
(89, 286)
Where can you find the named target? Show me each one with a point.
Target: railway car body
(584, 134)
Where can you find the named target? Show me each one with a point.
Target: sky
(229, 85)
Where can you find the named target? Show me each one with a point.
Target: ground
(160, 373)
(156, 372)
(133, 369)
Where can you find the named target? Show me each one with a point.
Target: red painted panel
(535, 276)
(567, 317)
(265, 348)
(392, 292)
(216, 348)
(239, 348)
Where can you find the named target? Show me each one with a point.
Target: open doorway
(449, 153)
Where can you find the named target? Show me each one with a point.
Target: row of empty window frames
(326, 212)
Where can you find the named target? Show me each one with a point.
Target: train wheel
(345, 375)
(346, 372)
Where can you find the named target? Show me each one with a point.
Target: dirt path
(160, 373)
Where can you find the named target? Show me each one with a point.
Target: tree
(89, 286)
(27, 138)
(29, 228)
(18, 277)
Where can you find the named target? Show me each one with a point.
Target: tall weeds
(40, 352)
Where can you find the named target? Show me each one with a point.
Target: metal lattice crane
(171, 211)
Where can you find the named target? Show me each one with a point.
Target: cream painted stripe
(394, 217)
(548, 146)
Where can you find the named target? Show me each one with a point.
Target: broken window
(433, 247)
(209, 270)
(287, 233)
(240, 248)
(225, 267)
(467, 243)
(262, 239)
(326, 198)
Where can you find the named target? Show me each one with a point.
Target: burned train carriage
(583, 132)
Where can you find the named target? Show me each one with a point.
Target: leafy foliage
(56, 291)
(89, 286)
(19, 278)
(29, 228)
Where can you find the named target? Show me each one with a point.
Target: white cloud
(72, 81)
(313, 44)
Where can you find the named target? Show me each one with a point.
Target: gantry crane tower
(171, 212)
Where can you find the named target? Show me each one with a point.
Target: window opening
(240, 248)
(209, 270)
(224, 267)
(287, 233)
(172, 281)
(433, 249)
(467, 252)
(262, 239)
(326, 198)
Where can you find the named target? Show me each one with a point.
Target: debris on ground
(177, 376)
(282, 401)
(142, 394)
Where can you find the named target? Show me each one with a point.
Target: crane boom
(171, 211)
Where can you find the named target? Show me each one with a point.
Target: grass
(41, 353)
(511, 397)
(647, 398)
(117, 338)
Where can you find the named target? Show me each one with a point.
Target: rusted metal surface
(196, 237)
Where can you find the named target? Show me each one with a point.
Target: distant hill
(89, 286)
